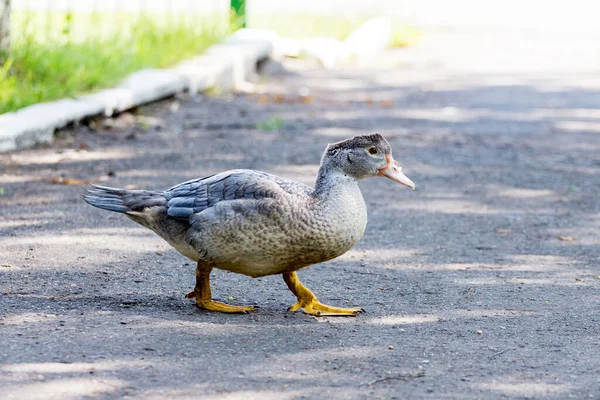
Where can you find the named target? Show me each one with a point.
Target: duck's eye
(373, 150)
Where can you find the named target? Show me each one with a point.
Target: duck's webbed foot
(310, 304)
(323, 310)
(203, 295)
(222, 307)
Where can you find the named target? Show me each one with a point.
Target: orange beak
(394, 172)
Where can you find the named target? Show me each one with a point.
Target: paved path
(468, 290)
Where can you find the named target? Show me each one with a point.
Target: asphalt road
(483, 283)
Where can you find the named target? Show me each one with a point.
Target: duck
(258, 224)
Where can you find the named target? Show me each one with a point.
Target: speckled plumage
(259, 224)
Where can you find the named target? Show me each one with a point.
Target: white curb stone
(223, 67)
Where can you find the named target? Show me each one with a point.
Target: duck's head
(365, 156)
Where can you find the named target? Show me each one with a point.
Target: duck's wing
(195, 196)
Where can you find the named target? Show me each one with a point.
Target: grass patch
(56, 55)
(272, 124)
(299, 26)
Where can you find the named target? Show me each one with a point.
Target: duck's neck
(331, 182)
(339, 201)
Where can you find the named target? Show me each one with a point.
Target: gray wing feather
(193, 197)
(182, 202)
(229, 192)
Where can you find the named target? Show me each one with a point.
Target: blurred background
(57, 48)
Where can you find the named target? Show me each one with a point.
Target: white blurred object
(290, 47)
(370, 38)
(365, 41)
(327, 50)
(304, 91)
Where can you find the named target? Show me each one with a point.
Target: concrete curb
(224, 67)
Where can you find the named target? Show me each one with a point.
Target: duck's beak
(394, 172)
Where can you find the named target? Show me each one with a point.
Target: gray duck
(258, 224)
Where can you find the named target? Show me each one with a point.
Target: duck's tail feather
(122, 200)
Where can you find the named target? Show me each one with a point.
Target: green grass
(271, 124)
(56, 55)
(299, 26)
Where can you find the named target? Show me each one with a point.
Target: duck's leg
(203, 295)
(309, 302)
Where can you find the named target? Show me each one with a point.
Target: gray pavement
(484, 283)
